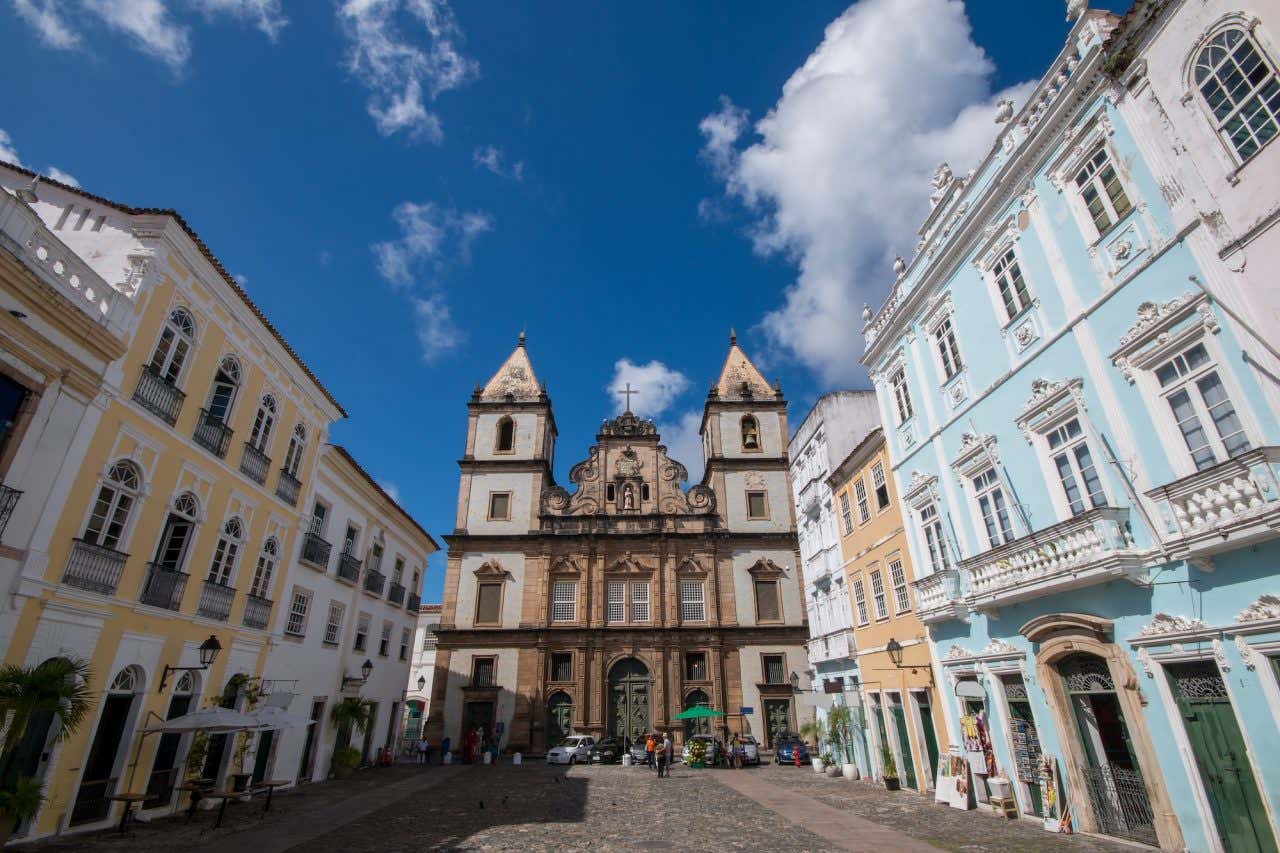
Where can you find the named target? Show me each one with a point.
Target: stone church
(612, 604)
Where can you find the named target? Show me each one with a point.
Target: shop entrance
(1221, 756)
(96, 780)
(1114, 782)
(1024, 739)
(629, 699)
(925, 708)
(559, 718)
(898, 713)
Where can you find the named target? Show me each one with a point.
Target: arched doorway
(702, 725)
(106, 747)
(559, 717)
(164, 768)
(629, 687)
(415, 717)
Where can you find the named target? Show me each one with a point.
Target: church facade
(612, 604)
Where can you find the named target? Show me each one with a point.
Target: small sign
(499, 727)
(746, 711)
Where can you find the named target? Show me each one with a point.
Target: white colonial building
(422, 672)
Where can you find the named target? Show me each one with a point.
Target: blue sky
(404, 185)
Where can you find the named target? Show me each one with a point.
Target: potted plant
(58, 686)
(354, 713)
(829, 765)
(809, 732)
(345, 759)
(697, 753)
(839, 722)
(889, 768)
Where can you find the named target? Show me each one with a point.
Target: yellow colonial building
(900, 708)
(158, 511)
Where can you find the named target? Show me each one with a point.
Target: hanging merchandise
(952, 783)
(1026, 748)
(1055, 820)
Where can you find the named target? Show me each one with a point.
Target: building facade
(350, 609)
(899, 701)
(422, 672)
(612, 607)
(1087, 456)
(837, 423)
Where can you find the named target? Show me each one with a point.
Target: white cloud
(392, 490)
(684, 442)
(8, 151)
(658, 388)
(267, 15)
(148, 25)
(492, 158)
(401, 68)
(838, 180)
(432, 240)
(63, 177)
(46, 18)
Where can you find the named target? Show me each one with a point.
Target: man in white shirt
(664, 757)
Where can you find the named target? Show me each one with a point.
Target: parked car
(638, 755)
(784, 751)
(750, 750)
(714, 750)
(608, 751)
(571, 750)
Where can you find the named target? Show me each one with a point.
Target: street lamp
(365, 669)
(208, 654)
(894, 648)
(422, 683)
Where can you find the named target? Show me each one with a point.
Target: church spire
(739, 378)
(514, 378)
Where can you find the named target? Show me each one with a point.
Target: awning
(698, 712)
(215, 720)
(271, 717)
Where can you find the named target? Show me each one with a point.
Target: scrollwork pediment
(565, 566)
(492, 570)
(1264, 608)
(690, 566)
(764, 567)
(626, 565)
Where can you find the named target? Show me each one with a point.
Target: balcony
(1091, 548)
(396, 594)
(938, 597)
(288, 487)
(164, 587)
(315, 551)
(415, 603)
(212, 434)
(158, 395)
(8, 500)
(375, 582)
(836, 645)
(348, 568)
(215, 601)
(1231, 505)
(94, 567)
(257, 612)
(255, 464)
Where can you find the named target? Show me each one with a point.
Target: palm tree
(58, 686)
(356, 712)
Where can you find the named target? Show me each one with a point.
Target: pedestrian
(649, 746)
(663, 752)
(735, 752)
(423, 748)
(444, 748)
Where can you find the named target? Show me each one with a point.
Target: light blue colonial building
(1077, 374)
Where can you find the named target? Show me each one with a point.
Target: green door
(559, 718)
(904, 744)
(930, 737)
(777, 719)
(1221, 756)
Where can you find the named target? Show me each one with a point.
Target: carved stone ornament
(1046, 395)
(492, 569)
(942, 181)
(629, 463)
(1004, 110)
(1265, 608)
(690, 566)
(1220, 655)
(977, 451)
(1152, 315)
(920, 488)
(866, 313)
(627, 424)
(899, 267)
(1247, 654)
(565, 566)
(958, 653)
(1144, 658)
(999, 647)
(1163, 623)
(764, 567)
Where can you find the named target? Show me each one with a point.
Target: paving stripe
(844, 830)
(306, 826)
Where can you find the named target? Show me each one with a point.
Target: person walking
(422, 750)
(735, 753)
(649, 746)
(662, 751)
(444, 748)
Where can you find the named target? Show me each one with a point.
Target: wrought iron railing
(94, 567)
(374, 581)
(349, 568)
(215, 601)
(396, 593)
(164, 587)
(91, 803)
(212, 434)
(158, 395)
(255, 464)
(415, 603)
(1120, 803)
(288, 487)
(315, 551)
(257, 611)
(8, 500)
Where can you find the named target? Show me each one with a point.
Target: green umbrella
(697, 712)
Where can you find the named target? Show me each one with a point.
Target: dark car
(608, 751)
(784, 751)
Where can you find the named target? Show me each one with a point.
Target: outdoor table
(128, 799)
(196, 788)
(224, 796)
(271, 785)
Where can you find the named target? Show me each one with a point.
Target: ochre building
(610, 605)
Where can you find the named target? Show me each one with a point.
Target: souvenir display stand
(954, 784)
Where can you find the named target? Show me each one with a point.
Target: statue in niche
(628, 497)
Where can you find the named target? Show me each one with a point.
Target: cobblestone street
(536, 807)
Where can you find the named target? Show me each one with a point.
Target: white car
(571, 750)
(750, 750)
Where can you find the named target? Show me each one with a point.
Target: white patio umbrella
(271, 717)
(215, 720)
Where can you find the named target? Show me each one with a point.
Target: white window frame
(879, 598)
(954, 387)
(946, 346)
(640, 611)
(878, 482)
(360, 640)
(405, 640)
(900, 390)
(179, 337)
(864, 505)
(1051, 407)
(693, 605)
(384, 639)
(615, 602)
(333, 623)
(1249, 27)
(297, 447)
(934, 537)
(898, 580)
(226, 553)
(846, 513)
(264, 423)
(564, 600)
(267, 559)
(1068, 448)
(118, 489)
(299, 612)
(992, 485)
(1095, 133)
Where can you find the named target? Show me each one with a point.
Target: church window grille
(846, 514)
(878, 596)
(499, 506)
(562, 666)
(616, 606)
(299, 604)
(757, 505)
(750, 433)
(948, 350)
(775, 669)
(114, 504)
(1240, 88)
(864, 506)
(1101, 191)
(564, 601)
(384, 641)
(1196, 395)
(1074, 464)
(901, 395)
(506, 436)
(362, 632)
(176, 341)
(333, 625)
(767, 609)
(692, 608)
(993, 508)
(482, 672)
(695, 666)
(1011, 284)
(860, 601)
(901, 599)
(880, 485)
(639, 601)
(488, 603)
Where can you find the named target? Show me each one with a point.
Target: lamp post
(365, 669)
(894, 648)
(208, 654)
(422, 683)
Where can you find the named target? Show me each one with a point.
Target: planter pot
(833, 771)
(891, 783)
(849, 771)
(817, 764)
(240, 781)
(342, 771)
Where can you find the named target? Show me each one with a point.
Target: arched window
(266, 565)
(750, 433)
(188, 684)
(127, 680)
(224, 555)
(178, 531)
(297, 445)
(116, 498)
(260, 436)
(1239, 86)
(176, 341)
(226, 382)
(506, 438)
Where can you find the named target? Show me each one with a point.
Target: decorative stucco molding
(958, 653)
(1144, 658)
(1264, 608)
(1163, 623)
(1247, 654)
(922, 490)
(1152, 337)
(1049, 399)
(1220, 655)
(977, 452)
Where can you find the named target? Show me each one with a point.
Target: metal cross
(628, 391)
